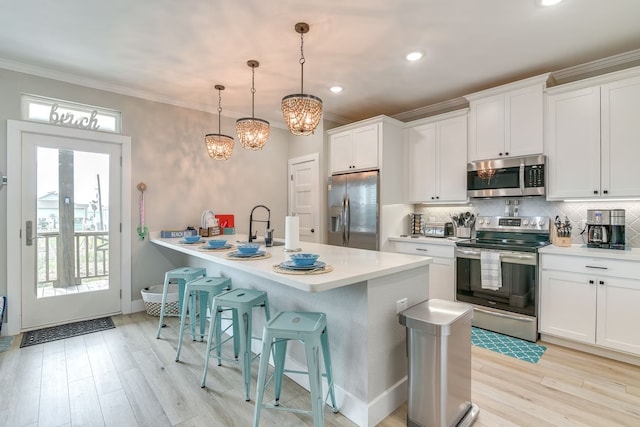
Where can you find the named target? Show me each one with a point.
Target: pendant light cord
(302, 62)
(219, 110)
(253, 91)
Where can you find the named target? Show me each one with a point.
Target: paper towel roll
(292, 233)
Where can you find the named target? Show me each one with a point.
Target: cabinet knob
(601, 282)
(595, 191)
(606, 191)
(437, 197)
(591, 282)
(312, 230)
(500, 154)
(506, 154)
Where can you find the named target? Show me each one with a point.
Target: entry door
(71, 240)
(303, 196)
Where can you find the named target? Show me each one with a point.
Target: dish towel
(490, 271)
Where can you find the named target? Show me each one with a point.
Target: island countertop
(349, 265)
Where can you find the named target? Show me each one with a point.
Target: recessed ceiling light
(413, 56)
(336, 89)
(549, 2)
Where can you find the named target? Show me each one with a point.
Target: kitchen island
(358, 295)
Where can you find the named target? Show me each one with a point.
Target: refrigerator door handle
(348, 221)
(344, 219)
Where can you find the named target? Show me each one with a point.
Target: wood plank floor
(125, 377)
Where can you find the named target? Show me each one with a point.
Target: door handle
(29, 233)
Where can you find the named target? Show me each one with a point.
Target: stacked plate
(303, 262)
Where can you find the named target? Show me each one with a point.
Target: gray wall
(168, 154)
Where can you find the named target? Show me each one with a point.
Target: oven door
(512, 308)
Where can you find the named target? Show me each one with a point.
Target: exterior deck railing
(91, 251)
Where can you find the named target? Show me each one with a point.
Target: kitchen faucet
(251, 221)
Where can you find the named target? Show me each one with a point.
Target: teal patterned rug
(509, 346)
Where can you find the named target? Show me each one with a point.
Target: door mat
(69, 330)
(509, 346)
(5, 343)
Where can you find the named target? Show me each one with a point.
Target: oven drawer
(424, 249)
(598, 266)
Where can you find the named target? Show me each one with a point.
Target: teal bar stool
(241, 302)
(182, 275)
(311, 329)
(204, 289)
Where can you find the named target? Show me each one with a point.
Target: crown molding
(595, 68)
(432, 110)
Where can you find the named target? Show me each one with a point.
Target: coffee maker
(605, 228)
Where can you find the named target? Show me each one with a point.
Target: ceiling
(176, 51)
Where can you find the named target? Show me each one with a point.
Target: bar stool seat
(241, 302)
(206, 288)
(311, 329)
(182, 275)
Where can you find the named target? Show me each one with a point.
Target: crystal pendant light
(219, 146)
(302, 112)
(252, 133)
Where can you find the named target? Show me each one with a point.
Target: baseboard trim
(586, 348)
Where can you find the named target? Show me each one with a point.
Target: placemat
(207, 248)
(249, 258)
(325, 269)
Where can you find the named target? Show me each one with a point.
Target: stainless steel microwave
(506, 177)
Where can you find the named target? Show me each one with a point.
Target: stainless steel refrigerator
(353, 210)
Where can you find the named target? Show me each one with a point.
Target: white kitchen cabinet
(592, 301)
(507, 121)
(436, 150)
(441, 271)
(355, 149)
(591, 138)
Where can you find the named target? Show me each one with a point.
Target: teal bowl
(304, 260)
(217, 243)
(191, 239)
(248, 248)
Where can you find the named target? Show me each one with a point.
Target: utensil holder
(463, 232)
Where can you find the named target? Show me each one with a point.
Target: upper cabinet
(507, 120)
(374, 143)
(355, 149)
(437, 165)
(591, 138)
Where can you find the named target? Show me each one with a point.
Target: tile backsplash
(574, 211)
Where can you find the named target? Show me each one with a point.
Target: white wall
(168, 154)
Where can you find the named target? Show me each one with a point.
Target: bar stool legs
(242, 302)
(311, 329)
(207, 288)
(182, 275)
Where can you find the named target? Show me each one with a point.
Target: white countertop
(445, 241)
(350, 265)
(629, 254)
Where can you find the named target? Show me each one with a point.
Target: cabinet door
(451, 166)
(621, 138)
(341, 148)
(421, 142)
(524, 121)
(365, 147)
(618, 314)
(568, 305)
(572, 144)
(486, 128)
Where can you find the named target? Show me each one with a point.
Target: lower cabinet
(591, 301)
(442, 269)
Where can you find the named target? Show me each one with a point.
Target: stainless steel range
(497, 272)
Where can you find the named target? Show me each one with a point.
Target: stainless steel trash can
(439, 351)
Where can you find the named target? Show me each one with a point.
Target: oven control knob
(525, 222)
(541, 223)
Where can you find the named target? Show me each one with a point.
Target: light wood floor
(125, 377)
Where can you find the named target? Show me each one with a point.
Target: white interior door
(70, 251)
(304, 197)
